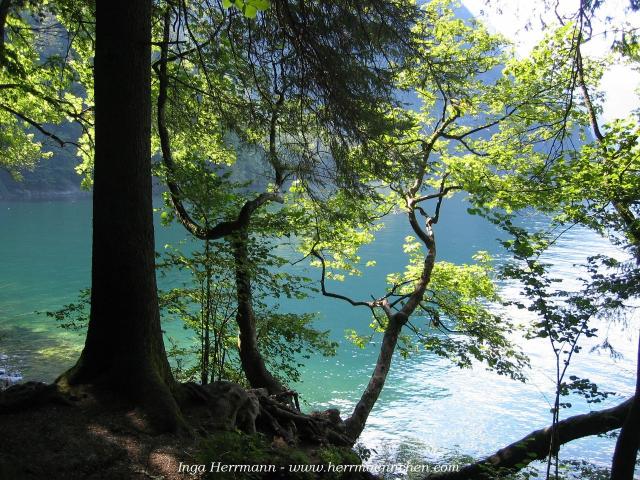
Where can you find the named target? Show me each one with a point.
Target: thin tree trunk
(626, 452)
(252, 362)
(356, 422)
(206, 347)
(124, 352)
(535, 446)
(395, 321)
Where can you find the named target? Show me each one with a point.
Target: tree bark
(356, 422)
(535, 446)
(624, 457)
(252, 362)
(626, 452)
(124, 352)
(395, 321)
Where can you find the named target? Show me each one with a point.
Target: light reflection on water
(426, 402)
(478, 412)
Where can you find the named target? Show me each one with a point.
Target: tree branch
(535, 446)
(326, 293)
(471, 131)
(440, 194)
(593, 119)
(224, 228)
(628, 218)
(38, 126)
(427, 147)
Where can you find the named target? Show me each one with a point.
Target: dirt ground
(52, 442)
(49, 435)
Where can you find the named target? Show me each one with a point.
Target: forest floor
(86, 442)
(51, 440)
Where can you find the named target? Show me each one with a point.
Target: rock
(279, 442)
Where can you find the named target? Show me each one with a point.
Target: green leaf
(260, 4)
(250, 11)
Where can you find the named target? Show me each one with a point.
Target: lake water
(427, 405)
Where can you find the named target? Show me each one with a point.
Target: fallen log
(535, 446)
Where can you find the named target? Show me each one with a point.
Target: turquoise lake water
(427, 404)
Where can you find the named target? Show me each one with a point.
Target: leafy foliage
(249, 8)
(43, 72)
(207, 306)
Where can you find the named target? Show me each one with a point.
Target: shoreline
(29, 196)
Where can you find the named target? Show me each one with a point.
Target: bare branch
(326, 293)
(486, 126)
(440, 194)
(38, 126)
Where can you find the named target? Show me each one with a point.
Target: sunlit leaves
(40, 72)
(249, 8)
(20, 149)
(456, 316)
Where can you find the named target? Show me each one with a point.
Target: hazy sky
(618, 84)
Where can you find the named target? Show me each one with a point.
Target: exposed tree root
(289, 423)
(32, 395)
(535, 446)
(229, 406)
(206, 409)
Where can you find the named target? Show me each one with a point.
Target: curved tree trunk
(124, 351)
(252, 362)
(624, 457)
(626, 452)
(395, 321)
(356, 422)
(535, 446)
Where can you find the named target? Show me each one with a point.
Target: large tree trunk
(535, 446)
(124, 352)
(624, 457)
(252, 362)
